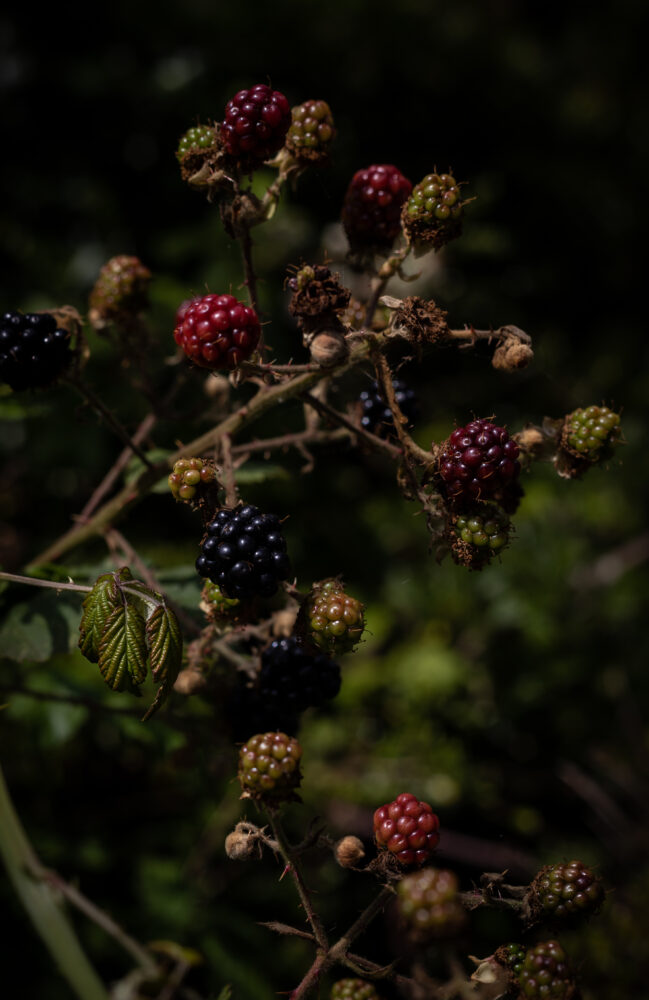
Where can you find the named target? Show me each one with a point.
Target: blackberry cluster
(255, 124)
(244, 552)
(217, 331)
(311, 131)
(269, 766)
(196, 140)
(563, 891)
(591, 432)
(546, 973)
(407, 828)
(33, 351)
(353, 989)
(334, 621)
(121, 290)
(187, 475)
(377, 415)
(292, 679)
(478, 462)
(428, 901)
(432, 214)
(372, 207)
(512, 957)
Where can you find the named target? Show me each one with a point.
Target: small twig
(120, 463)
(93, 399)
(328, 411)
(32, 581)
(250, 280)
(274, 925)
(291, 861)
(229, 480)
(410, 446)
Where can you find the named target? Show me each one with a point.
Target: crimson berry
(255, 124)
(372, 206)
(478, 462)
(407, 828)
(217, 331)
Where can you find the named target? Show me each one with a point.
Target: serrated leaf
(165, 650)
(122, 649)
(97, 608)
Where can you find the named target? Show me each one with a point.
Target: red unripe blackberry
(311, 132)
(377, 415)
(334, 620)
(353, 989)
(269, 767)
(565, 891)
(431, 217)
(244, 551)
(293, 679)
(33, 351)
(255, 124)
(546, 973)
(120, 292)
(372, 207)
(407, 828)
(478, 462)
(188, 475)
(218, 332)
(428, 901)
(591, 432)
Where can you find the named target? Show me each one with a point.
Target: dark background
(514, 699)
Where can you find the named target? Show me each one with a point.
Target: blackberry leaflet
(244, 552)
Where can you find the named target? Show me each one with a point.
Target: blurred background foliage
(513, 699)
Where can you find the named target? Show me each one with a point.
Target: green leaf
(122, 649)
(97, 608)
(165, 650)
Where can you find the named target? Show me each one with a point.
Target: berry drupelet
(311, 132)
(377, 415)
(433, 212)
(269, 767)
(372, 207)
(33, 351)
(244, 552)
(429, 903)
(217, 331)
(478, 462)
(188, 475)
(196, 140)
(407, 828)
(293, 679)
(590, 433)
(564, 891)
(546, 973)
(331, 619)
(255, 125)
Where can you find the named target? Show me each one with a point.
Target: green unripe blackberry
(311, 132)
(546, 973)
(428, 901)
(565, 891)
(215, 604)
(188, 475)
(512, 957)
(591, 433)
(333, 621)
(478, 535)
(120, 292)
(353, 989)
(269, 767)
(432, 215)
(196, 140)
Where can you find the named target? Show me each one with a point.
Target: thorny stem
(328, 411)
(386, 271)
(289, 858)
(52, 584)
(294, 440)
(384, 375)
(121, 462)
(229, 481)
(93, 399)
(250, 280)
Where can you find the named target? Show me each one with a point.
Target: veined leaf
(122, 649)
(165, 650)
(97, 608)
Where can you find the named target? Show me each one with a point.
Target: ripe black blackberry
(244, 552)
(249, 713)
(33, 351)
(377, 415)
(293, 679)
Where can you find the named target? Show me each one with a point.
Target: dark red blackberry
(546, 973)
(292, 679)
(244, 551)
(377, 416)
(372, 206)
(255, 124)
(563, 891)
(217, 331)
(478, 462)
(33, 352)
(407, 828)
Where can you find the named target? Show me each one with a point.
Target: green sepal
(122, 649)
(97, 607)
